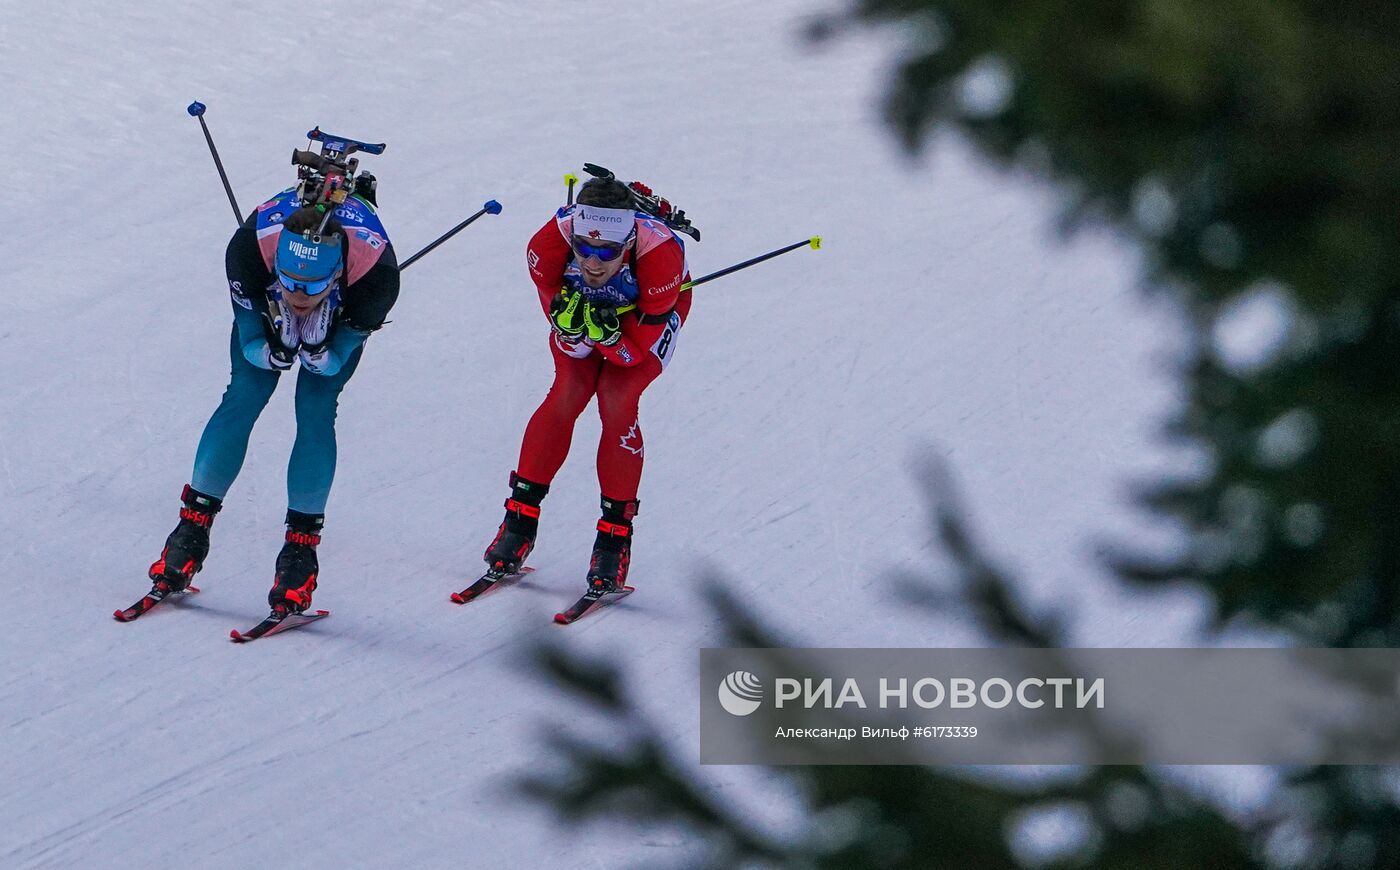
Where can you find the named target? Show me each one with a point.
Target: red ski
(592, 600)
(489, 581)
(151, 599)
(275, 623)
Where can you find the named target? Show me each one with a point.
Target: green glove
(602, 324)
(566, 314)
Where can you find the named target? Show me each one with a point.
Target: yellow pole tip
(570, 178)
(815, 242)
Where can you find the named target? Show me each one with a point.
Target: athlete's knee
(618, 409)
(566, 401)
(248, 394)
(316, 408)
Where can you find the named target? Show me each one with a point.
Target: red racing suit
(651, 280)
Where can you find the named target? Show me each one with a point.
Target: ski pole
(196, 110)
(491, 207)
(815, 242)
(570, 179)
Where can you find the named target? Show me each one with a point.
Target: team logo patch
(636, 447)
(235, 289)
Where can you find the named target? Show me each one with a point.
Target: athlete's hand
(283, 321)
(283, 337)
(280, 358)
(602, 325)
(314, 359)
(566, 315)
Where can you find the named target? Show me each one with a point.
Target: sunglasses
(605, 252)
(290, 284)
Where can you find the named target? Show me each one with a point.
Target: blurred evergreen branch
(1248, 149)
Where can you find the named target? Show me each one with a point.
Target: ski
(276, 623)
(592, 600)
(489, 581)
(149, 601)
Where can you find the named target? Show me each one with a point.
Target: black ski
(592, 600)
(276, 622)
(149, 601)
(489, 581)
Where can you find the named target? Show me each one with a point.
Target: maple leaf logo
(636, 438)
(594, 234)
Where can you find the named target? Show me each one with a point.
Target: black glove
(280, 358)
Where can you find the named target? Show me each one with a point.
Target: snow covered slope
(940, 312)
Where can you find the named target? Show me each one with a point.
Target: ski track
(940, 316)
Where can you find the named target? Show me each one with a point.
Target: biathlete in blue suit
(308, 286)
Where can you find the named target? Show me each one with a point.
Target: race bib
(665, 346)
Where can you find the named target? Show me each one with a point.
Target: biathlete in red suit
(609, 280)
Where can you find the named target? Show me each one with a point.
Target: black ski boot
(296, 564)
(612, 549)
(187, 546)
(516, 536)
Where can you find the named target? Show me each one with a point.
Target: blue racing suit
(371, 286)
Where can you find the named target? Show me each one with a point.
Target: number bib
(665, 346)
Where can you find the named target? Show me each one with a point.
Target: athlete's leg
(620, 451)
(551, 428)
(224, 443)
(312, 466)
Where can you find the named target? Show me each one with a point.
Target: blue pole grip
(492, 207)
(196, 109)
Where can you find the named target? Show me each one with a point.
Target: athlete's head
(605, 229)
(310, 257)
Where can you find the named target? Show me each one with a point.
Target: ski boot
(612, 549)
(516, 536)
(187, 546)
(296, 564)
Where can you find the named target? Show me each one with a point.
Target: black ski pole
(815, 242)
(491, 207)
(570, 179)
(196, 110)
